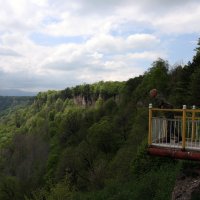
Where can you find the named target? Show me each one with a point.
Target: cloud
(8, 52)
(64, 65)
(181, 21)
(53, 44)
(20, 16)
(34, 82)
(142, 41)
(84, 18)
(105, 43)
(101, 49)
(112, 44)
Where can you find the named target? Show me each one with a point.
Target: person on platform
(158, 101)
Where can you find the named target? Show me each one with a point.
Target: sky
(54, 44)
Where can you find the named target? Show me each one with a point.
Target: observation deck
(174, 132)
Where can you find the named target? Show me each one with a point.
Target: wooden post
(150, 125)
(183, 127)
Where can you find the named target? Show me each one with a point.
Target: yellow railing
(181, 129)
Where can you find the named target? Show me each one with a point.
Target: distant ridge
(15, 92)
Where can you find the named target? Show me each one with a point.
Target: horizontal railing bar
(180, 117)
(167, 110)
(196, 119)
(175, 110)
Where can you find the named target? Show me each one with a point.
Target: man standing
(159, 102)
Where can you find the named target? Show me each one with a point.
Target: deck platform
(178, 137)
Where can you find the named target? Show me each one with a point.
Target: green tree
(10, 188)
(156, 77)
(196, 58)
(195, 88)
(59, 105)
(179, 86)
(70, 124)
(103, 136)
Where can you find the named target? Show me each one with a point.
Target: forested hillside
(7, 102)
(89, 141)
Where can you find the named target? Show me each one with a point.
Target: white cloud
(105, 43)
(142, 41)
(119, 39)
(151, 55)
(183, 20)
(100, 51)
(8, 52)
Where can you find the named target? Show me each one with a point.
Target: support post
(150, 125)
(183, 127)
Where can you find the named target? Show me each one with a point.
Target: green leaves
(102, 135)
(195, 88)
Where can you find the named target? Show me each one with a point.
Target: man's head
(153, 92)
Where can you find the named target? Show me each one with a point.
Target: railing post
(183, 126)
(193, 123)
(150, 125)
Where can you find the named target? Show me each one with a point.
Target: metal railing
(175, 128)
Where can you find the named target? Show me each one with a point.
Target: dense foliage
(7, 102)
(89, 141)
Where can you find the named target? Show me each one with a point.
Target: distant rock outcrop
(91, 100)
